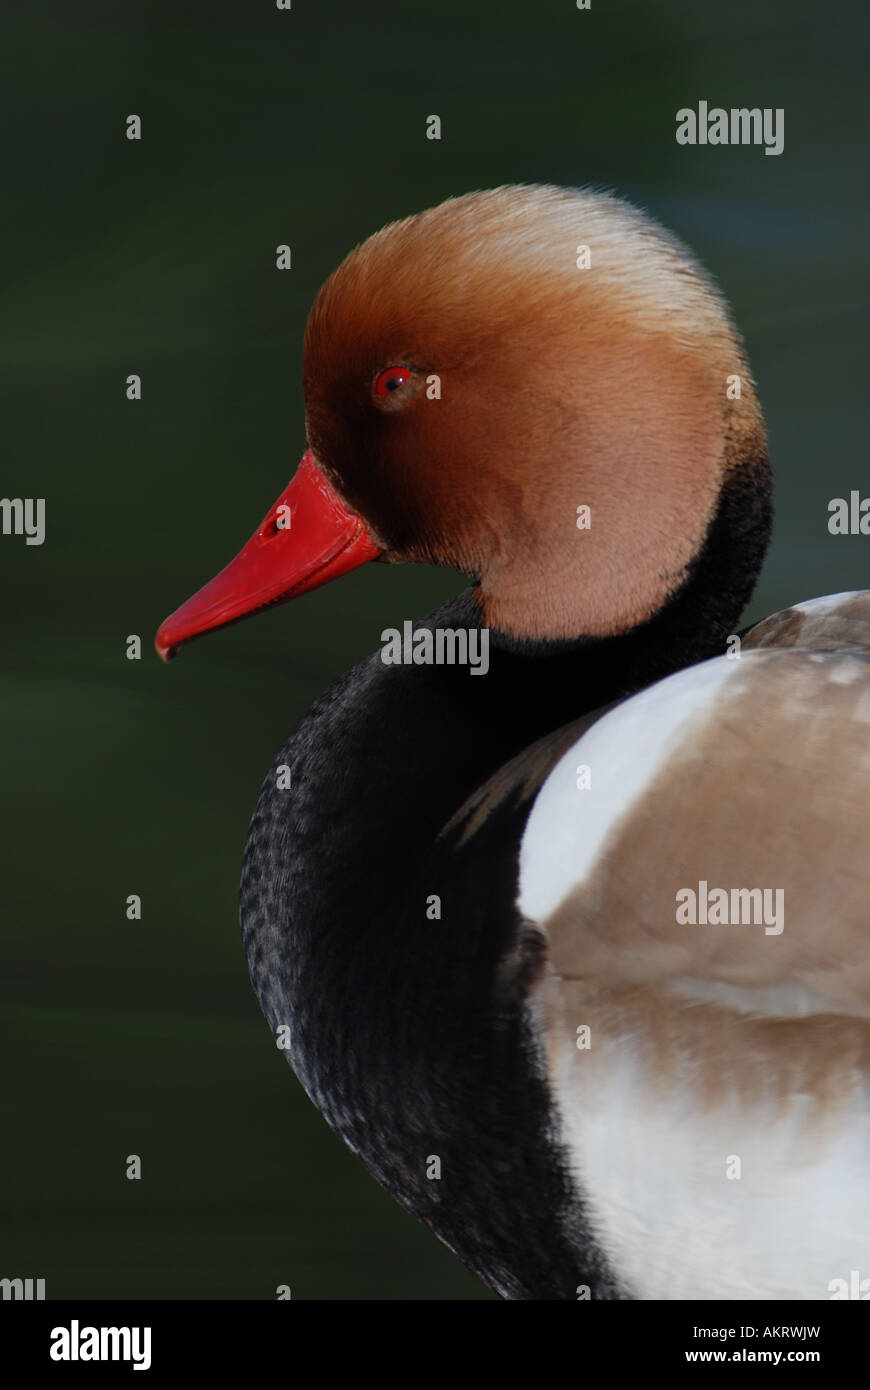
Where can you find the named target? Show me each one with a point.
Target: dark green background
(124, 777)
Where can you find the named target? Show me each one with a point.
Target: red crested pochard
(574, 956)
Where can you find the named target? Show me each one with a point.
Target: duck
(571, 951)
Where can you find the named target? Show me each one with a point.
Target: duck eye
(390, 379)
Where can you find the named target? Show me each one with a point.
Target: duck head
(539, 388)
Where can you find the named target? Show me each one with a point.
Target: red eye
(390, 380)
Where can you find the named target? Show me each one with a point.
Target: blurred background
(158, 257)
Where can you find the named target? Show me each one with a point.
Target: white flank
(569, 827)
